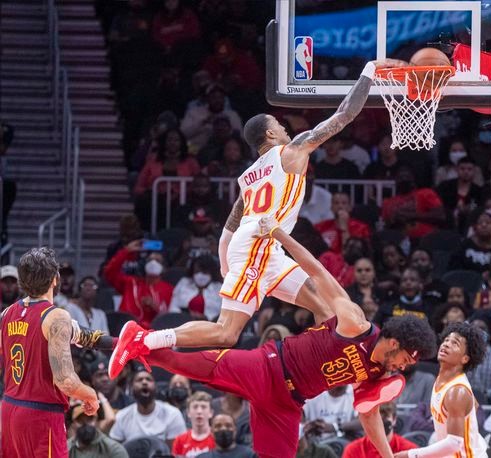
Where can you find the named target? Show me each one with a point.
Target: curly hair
(475, 342)
(37, 268)
(412, 333)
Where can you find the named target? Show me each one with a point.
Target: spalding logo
(252, 273)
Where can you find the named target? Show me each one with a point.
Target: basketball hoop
(412, 95)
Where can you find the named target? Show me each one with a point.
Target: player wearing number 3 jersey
(254, 267)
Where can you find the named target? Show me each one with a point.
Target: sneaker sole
(111, 359)
(388, 393)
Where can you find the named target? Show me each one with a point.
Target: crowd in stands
(187, 75)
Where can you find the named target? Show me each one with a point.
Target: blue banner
(354, 33)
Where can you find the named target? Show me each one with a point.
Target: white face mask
(154, 268)
(201, 279)
(456, 156)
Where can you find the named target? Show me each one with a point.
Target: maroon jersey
(320, 359)
(27, 374)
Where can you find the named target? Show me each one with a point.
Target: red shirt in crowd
(186, 445)
(333, 236)
(136, 292)
(338, 268)
(419, 200)
(363, 447)
(154, 169)
(169, 31)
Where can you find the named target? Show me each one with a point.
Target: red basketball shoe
(371, 394)
(130, 346)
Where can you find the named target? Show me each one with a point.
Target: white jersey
(474, 444)
(268, 190)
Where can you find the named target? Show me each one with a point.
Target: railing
(50, 225)
(224, 185)
(73, 187)
(54, 57)
(79, 225)
(370, 189)
(8, 249)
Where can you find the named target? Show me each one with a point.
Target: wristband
(369, 70)
(273, 229)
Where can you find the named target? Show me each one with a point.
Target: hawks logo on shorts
(252, 273)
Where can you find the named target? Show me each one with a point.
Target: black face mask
(178, 394)
(224, 438)
(86, 434)
(388, 427)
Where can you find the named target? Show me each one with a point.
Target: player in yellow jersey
(453, 405)
(256, 267)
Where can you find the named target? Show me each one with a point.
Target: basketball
(429, 56)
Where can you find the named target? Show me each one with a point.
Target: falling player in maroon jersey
(39, 374)
(277, 377)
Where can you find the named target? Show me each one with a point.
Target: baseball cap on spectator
(200, 215)
(66, 269)
(101, 363)
(9, 271)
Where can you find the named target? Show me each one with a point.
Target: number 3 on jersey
(259, 201)
(17, 357)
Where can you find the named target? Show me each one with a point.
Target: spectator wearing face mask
(144, 297)
(89, 441)
(198, 291)
(451, 151)
(224, 433)
(363, 447)
(178, 393)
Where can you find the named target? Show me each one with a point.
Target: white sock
(160, 339)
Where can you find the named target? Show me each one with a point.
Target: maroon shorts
(257, 376)
(32, 432)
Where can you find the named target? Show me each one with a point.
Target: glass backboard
(316, 49)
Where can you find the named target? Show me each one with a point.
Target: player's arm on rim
(295, 154)
(351, 319)
(374, 428)
(231, 225)
(57, 328)
(458, 404)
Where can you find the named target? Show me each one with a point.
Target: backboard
(316, 49)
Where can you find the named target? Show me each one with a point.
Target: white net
(412, 101)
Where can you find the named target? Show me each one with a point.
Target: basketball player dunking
(254, 267)
(453, 406)
(278, 376)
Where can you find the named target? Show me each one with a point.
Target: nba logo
(303, 58)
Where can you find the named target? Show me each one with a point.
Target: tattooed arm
(231, 225)
(57, 328)
(295, 155)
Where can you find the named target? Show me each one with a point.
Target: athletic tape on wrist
(369, 70)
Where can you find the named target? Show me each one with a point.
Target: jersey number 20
(17, 357)
(259, 201)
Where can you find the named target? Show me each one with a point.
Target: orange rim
(413, 91)
(399, 73)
